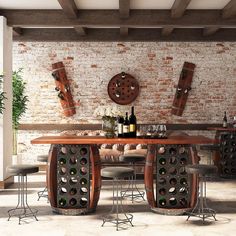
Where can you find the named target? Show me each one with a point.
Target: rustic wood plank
(111, 35)
(81, 31)
(124, 7)
(124, 31)
(210, 31)
(99, 126)
(17, 31)
(179, 7)
(229, 10)
(180, 139)
(111, 18)
(69, 7)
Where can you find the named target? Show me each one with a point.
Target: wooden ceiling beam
(229, 10)
(111, 18)
(124, 31)
(80, 31)
(124, 7)
(69, 8)
(17, 31)
(210, 31)
(179, 7)
(167, 31)
(98, 35)
(177, 10)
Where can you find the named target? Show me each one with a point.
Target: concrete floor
(221, 196)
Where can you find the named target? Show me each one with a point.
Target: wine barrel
(71, 189)
(63, 88)
(170, 190)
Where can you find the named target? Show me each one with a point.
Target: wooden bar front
(92, 142)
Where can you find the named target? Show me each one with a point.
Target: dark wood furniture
(225, 158)
(91, 143)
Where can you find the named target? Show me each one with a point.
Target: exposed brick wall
(156, 66)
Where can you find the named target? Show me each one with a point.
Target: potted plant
(19, 104)
(2, 96)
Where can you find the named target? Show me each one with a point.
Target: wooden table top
(180, 139)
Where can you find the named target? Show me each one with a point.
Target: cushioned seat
(22, 169)
(201, 169)
(117, 172)
(132, 158)
(42, 158)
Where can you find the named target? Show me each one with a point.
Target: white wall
(6, 119)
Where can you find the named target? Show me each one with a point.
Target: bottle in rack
(126, 126)
(225, 120)
(132, 124)
(120, 126)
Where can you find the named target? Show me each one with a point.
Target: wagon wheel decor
(123, 88)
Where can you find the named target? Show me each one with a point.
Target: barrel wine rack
(228, 154)
(74, 187)
(171, 191)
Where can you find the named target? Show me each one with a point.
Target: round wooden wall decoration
(123, 88)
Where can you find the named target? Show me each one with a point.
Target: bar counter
(169, 189)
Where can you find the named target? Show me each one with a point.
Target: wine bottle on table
(120, 126)
(126, 126)
(132, 124)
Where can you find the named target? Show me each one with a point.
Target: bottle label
(132, 127)
(126, 129)
(120, 128)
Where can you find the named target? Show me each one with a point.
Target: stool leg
(22, 205)
(201, 209)
(117, 208)
(133, 192)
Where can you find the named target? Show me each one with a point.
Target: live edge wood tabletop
(180, 139)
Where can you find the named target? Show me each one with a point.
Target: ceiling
(121, 20)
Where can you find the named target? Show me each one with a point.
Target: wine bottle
(120, 126)
(73, 171)
(126, 126)
(162, 171)
(132, 124)
(73, 191)
(73, 201)
(225, 120)
(162, 191)
(62, 202)
(162, 201)
(83, 181)
(183, 181)
(162, 161)
(62, 161)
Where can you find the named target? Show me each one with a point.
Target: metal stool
(201, 209)
(117, 211)
(132, 191)
(22, 210)
(44, 192)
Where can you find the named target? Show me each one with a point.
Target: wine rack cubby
(228, 154)
(73, 176)
(172, 182)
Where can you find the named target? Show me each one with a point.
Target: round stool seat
(22, 169)
(117, 172)
(42, 158)
(201, 169)
(132, 158)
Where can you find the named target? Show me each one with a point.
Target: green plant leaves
(19, 103)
